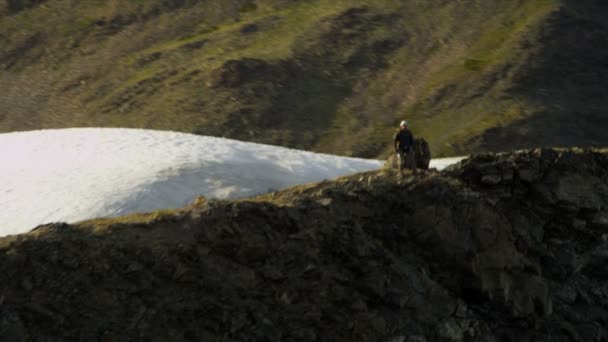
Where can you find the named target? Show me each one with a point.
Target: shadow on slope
(565, 80)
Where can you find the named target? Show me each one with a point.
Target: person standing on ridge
(404, 147)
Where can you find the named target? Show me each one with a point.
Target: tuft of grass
(146, 219)
(474, 64)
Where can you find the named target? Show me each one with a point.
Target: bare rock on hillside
(14, 6)
(235, 73)
(497, 248)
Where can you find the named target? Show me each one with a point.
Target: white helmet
(403, 123)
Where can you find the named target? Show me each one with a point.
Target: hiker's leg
(402, 161)
(412, 162)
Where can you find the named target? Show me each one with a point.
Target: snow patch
(75, 174)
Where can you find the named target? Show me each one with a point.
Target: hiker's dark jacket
(404, 140)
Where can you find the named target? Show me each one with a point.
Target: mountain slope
(506, 247)
(329, 76)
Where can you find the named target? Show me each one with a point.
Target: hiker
(404, 147)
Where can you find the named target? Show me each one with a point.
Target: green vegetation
(325, 75)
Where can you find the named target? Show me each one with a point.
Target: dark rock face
(235, 73)
(509, 247)
(423, 153)
(13, 6)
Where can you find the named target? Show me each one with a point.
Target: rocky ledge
(507, 247)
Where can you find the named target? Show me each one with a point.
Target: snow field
(74, 174)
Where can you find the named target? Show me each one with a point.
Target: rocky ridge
(500, 247)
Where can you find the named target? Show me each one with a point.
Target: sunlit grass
(133, 219)
(440, 77)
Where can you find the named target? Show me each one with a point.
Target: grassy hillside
(325, 75)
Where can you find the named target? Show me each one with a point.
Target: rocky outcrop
(13, 6)
(423, 153)
(509, 247)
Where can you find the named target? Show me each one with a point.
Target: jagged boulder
(423, 153)
(423, 156)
